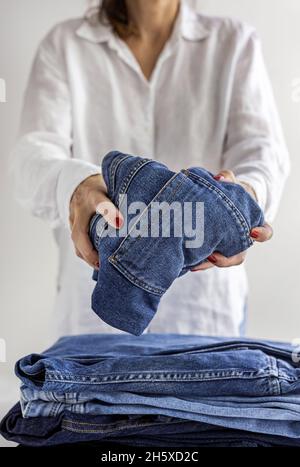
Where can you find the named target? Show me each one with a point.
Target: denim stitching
(122, 191)
(158, 376)
(274, 383)
(67, 425)
(173, 178)
(27, 410)
(238, 216)
(114, 166)
(113, 170)
(112, 173)
(135, 280)
(127, 422)
(132, 174)
(54, 408)
(122, 249)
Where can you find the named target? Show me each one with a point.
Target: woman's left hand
(258, 234)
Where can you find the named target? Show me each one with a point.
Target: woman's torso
(180, 118)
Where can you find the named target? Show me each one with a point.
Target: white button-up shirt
(208, 103)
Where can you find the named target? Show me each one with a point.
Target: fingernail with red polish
(219, 178)
(212, 259)
(254, 234)
(118, 222)
(97, 264)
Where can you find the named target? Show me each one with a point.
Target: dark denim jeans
(136, 431)
(186, 217)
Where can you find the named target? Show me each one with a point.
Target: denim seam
(71, 398)
(66, 426)
(237, 215)
(122, 191)
(126, 422)
(55, 408)
(163, 188)
(134, 280)
(274, 384)
(113, 170)
(113, 259)
(132, 174)
(27, 409)
(166, 377)
(112, 174)
(291, 379)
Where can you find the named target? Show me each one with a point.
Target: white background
(28, 256)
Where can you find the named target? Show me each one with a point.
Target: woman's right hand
(90, 197)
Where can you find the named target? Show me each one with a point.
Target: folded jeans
(185, 218)
(239, 384)
(73, 429)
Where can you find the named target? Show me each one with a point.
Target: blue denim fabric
(274, 417)
(102, 361)
(237, 384)
(142, 267)
(146, 431)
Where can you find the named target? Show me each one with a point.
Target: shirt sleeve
(255, 149)
(45, 173)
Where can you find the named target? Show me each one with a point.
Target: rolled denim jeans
(186, 217)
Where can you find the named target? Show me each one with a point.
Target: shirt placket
(147, 118)
(148, 125)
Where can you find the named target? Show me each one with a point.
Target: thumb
(109, 211)
(225, 176)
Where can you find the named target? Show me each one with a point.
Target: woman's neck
(153, 18)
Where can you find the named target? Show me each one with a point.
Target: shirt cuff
(73, 173)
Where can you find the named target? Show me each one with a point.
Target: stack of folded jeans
(158, 390)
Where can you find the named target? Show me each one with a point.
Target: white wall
(27, 251)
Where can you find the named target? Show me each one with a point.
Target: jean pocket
(148, 257)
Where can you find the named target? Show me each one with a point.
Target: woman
(160, 80)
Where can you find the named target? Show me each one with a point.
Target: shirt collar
(189, 25)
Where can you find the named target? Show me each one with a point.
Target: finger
(222, 262)
(203, 267)
(78, 253)
(110, 212)
(85, 248)
(226, 176)
(262, 234)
